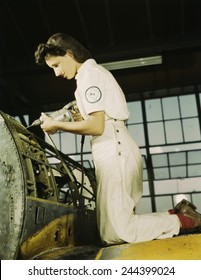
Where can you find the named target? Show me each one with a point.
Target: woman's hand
(76, 114)
(48, 125)
(94, 125)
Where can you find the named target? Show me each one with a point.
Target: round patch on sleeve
(93, 94)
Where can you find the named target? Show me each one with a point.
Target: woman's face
(64, 66)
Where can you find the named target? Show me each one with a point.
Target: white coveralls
(118, 163)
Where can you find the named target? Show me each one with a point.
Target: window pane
(196, 200)
(191, 129)
(178, 172)
(170, 108)
(56, 140)
(68, 143)
(137, 132)
(156, 133)
(163, 203)
(135, 110)
(146, 190)
(159, 160)
(165, 186)
(194, 170)
(144, 206)
(153, 110)
(194, 157)
(161, 173)
(145, 175)
(173, 132)
(188, 106)
(177, 159)
(86, 147)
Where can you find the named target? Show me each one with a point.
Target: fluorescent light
(137, 62)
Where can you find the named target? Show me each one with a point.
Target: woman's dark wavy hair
(57, 45)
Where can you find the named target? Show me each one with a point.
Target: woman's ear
(70, 53)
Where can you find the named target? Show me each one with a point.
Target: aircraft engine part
(38, 186)
(12, 193)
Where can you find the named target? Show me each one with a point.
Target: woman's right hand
(48, 125)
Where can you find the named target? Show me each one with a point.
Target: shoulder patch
(93, 94)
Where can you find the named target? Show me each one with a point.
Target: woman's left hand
(76, 114)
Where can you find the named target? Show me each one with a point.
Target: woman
(117, 158)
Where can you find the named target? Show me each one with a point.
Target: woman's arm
(94, 125)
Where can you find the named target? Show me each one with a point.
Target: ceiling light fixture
(137, 62)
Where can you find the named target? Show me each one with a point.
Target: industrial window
(172, 120)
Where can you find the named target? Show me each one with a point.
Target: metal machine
(47, 200)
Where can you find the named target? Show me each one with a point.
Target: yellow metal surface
(72, 235)
(186, 247)
(58, 233)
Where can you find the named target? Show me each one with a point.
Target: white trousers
(118, 165)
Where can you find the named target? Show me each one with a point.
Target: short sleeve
(91, 91)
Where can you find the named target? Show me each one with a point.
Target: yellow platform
(186, 247)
